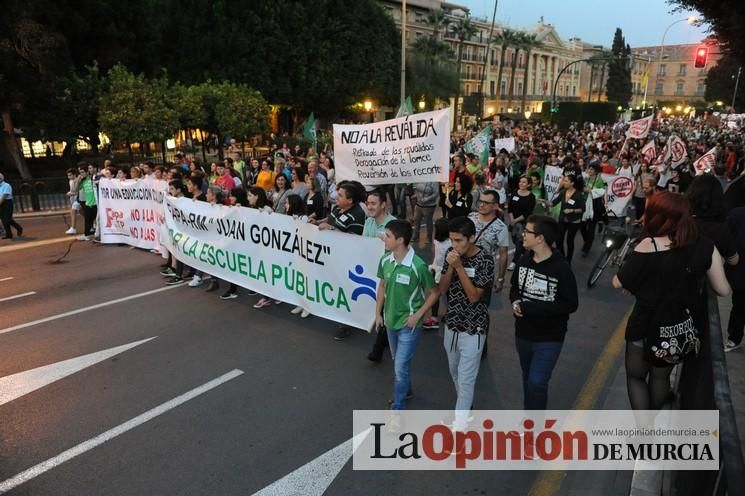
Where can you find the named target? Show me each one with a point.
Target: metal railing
(41, 194)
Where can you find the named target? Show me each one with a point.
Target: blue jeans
(537, 359)
(403, 344)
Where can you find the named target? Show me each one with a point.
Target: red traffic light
(701, 54)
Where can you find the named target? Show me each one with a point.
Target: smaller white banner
(506, 143)
(640, 127)
(131, 211)
(619, 192)
(410, 149)
(531, 440)
(551, 180)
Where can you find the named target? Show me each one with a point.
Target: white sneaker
(304, 314)
(83, 237)
(72, 230)
(511, 266)
(730, 345)
(296, 310)
(195, 281)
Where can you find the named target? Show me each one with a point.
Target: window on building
(658, 89)
(503, 88)
(492, 88)
(700, 88)
(520, 88)
(682, 70)
(493, 57)
(679, 89)
(661, 70)
(574, 91)
(468, 89)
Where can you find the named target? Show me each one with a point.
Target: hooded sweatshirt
(548, 294)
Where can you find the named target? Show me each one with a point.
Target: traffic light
(701, 54)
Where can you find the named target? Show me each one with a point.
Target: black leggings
(567, 230)
(648, 386)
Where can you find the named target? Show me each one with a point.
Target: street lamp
(368, 105)
(422, 104)
(619, 108)
(678, 108)
(528, 113)
(490, 110)
(690, 20)
(509, 110)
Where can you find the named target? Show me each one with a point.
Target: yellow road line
(549, 482)
(34, 244)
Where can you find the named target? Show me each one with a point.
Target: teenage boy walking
(402, 302)
(543, 294)
(467, 276)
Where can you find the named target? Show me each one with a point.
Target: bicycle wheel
(600, 265)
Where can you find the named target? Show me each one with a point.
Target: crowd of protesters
(466, 225)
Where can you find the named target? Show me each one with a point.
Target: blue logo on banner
(367, 285)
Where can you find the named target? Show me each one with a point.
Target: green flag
(406, 109)
(479, 145)
(309, 131)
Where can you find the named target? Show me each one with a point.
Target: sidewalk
(736, 368)
(41, 213)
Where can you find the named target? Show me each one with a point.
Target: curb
(41, 214)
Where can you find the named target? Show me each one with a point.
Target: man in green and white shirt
(377, 218)
(408, 291)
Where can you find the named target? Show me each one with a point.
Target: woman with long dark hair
(664, 270)
(570, 216)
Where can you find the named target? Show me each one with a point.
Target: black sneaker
(229, 295)
(168, 272)
(173, 281)
(251, 293)
(343, 333)
(375, 357)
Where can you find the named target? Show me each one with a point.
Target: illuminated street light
(719, 103)
(509, 110)
(678, 108)
(528, 113)
(422, 104)
(368, 105)
(619, 108)
(490, 110)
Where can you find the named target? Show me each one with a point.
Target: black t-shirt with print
(462, 315)
(650, 277)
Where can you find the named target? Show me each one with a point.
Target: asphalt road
(292, 403)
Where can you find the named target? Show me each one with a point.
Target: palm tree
(529, 43)
(506, 37)
(518, 44)
(438, 19)
(464, 30)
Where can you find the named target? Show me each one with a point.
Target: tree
(720, 82)
(135, 109)
(529, 44)
(438, 19)
(727, 20)
(505, 38)
(464, 30)
(618, 87)
(430, 71)
(520, 43)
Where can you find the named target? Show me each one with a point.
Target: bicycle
(618, 241)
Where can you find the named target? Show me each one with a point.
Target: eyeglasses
(484, 202)
(526, 231)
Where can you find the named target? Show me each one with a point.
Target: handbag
(673, 336)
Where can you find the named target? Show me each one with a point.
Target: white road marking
(85, 309)
(88, 445)
(19, 384)
(313, 478)
(5, 279)
(15, 297)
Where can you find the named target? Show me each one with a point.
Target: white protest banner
(329, 273)
(131, 211)
(649, 151)
(506, 143)
(551, 180)
(706, 162)
(410, 149)
(619, 192)
(675, 150)
(640, 127)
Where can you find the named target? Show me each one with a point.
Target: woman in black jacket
(459, 201)
(570, 216)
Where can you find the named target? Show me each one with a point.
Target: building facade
(521, 88)
(672, 75)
